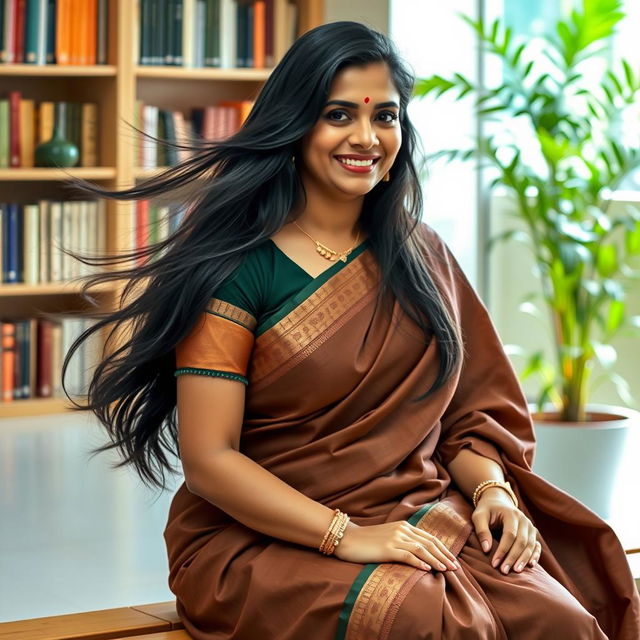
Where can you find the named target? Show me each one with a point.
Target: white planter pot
(582, 458)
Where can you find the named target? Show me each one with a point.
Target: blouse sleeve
(222, 339)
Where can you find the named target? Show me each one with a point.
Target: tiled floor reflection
(75, 535)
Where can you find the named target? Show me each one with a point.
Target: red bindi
(366, 100)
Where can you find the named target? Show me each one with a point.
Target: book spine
(4, 132)
(32, 331)
(259, 19)
(168, 28)
(241, 35)
(178, 31)
(32, 30)
(3, 52)
(269, 58)
(14, 128)
(101, 32)
(27, 133)
(13, 238)
(19, 31)
(43, 376)
(17, 362)
(51, 31)
(188, 24)
(30, 248)
(89, 135)
(8, 359)
(56, 242)
(248, 38)
(45, 241)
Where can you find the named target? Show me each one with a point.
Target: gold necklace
(327, 253)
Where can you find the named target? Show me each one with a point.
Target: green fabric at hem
(212, 372)
(362, 577)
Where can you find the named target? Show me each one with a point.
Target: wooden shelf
(176, 88)
(212, 73)
(94, 71)
(50, 288)
(33, 407)
(43, 173)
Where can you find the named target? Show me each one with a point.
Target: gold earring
(386, 178)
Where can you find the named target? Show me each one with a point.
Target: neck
(326, 218)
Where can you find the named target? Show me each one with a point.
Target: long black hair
(240, 191)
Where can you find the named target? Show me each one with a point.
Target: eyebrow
(345, 103)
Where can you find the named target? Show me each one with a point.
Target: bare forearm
(260, 500)
(468, 469)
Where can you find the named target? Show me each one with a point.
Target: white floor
(75, 535)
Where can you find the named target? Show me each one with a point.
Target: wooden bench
(157, 621)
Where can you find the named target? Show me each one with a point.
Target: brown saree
(329, 411)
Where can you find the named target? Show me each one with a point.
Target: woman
(355, 444)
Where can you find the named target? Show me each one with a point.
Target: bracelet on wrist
(487, 484)
(334, 533)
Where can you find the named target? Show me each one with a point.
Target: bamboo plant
(586, 257)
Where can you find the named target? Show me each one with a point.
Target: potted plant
(585, 256)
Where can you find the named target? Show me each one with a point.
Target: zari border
(313, 321)
(376, 594)
(231, 312)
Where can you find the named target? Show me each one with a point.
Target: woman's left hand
(518, 545)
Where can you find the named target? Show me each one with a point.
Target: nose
(363, 134)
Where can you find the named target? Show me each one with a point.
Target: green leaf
(628, 74)
(607, 260)
(614, 79)
(516, 56)
(527, 69)
(615, 315)
(632, 240)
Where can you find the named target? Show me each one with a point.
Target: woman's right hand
(395, 542)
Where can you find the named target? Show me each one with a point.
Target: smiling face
(368, 127)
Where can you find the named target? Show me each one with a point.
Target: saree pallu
(330, 410)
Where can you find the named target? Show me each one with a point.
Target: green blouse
(268, 284)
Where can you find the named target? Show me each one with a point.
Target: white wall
(373, 13)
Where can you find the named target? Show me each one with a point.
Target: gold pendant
(343, 258)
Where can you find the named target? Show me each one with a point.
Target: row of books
(211, 33)
(32, 237)
(24, 124)
(32, 352)
(61, 32)
(214, 122)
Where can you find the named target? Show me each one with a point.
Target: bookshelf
(115, 87)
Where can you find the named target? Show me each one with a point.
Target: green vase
(57, 152)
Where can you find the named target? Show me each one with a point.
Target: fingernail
(441, 566)
(495, 562)
(520, 566)
(485, 545)
(506, 568)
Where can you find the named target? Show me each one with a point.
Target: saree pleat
(330, 410)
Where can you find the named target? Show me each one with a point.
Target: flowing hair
(240, 191)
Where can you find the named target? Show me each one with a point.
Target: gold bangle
(336, 513)
(334, 539)
(335, 533)
(327, 541)
(487, 484)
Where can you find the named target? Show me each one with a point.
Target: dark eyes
(392, 116)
